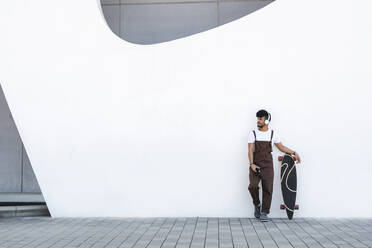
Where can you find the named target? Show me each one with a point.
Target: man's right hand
(253, 167)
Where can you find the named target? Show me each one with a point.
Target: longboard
(288, 181)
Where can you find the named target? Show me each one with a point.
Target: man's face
(261, 121)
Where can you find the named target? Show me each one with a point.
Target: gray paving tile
(197, 232)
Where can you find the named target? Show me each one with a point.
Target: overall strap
(272, 132)
(254, 135)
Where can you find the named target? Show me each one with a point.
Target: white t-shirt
(263, 135)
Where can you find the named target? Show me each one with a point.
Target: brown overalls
(263, 158)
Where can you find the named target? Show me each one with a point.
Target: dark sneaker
(257, 211)
(264, 217)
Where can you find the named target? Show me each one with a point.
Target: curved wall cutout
(118, 129)
(154, 21)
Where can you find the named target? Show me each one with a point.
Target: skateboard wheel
(296, 207)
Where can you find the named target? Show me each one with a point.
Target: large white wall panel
(161, 130)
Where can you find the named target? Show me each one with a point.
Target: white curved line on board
(286, 180)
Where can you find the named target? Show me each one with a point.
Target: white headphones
(267, 121)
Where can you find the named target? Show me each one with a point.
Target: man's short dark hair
(262, 113)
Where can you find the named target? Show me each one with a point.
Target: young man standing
(261, 163)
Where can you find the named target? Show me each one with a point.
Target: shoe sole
(264, 220)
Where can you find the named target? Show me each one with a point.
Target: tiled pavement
(184, 232)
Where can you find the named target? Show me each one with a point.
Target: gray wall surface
(154, 21)
(16, 174)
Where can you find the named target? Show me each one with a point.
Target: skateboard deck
(288, 181)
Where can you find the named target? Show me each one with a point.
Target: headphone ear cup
(268, 119)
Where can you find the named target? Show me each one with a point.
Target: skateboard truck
(280, 158)
(282, 207)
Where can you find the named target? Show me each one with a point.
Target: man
(261, 163)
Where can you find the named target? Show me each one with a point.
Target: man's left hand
(298, 159)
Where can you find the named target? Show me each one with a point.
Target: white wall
(161, 130)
